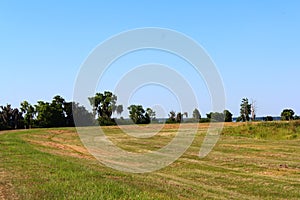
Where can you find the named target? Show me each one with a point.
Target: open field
(252, 161)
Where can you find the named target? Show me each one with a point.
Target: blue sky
(254, 44)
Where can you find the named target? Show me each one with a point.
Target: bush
(106, 121)
(268, 118)
(171, 121)
(204, 120)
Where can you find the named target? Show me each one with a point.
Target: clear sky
(254, 44)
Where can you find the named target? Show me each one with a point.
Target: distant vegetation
(270, 131)
(61, 113)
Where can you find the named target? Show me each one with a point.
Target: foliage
(119, 109)
(268, 118)
(10, 118)
(239, 119)
(287, 114)
(80, 113)
(171, 118)
(51, 114)
(216, 117)
(104, 105)
(266, 130)
(196, 114)
(245, 110)
(179, 117)
(106, 121)
(227, 116)
(138, 115)
(151, 113)
(60, 113)
(29, 112)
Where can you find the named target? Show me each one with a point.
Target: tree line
(57, 113)
(61, 113)
(248, 113)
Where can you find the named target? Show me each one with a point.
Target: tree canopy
(245, 110)
(138, 115)
(196, 114)
(287, 114)
(61, 113)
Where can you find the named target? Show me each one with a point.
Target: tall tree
(104, 104)
(179, 117)
(228, 116)
(80, 113)
(196, 114)
(186, 114)
(58, 111)
(17, 119)
(68, 110)
(29, 112)
(6, 116)
(119, 109)
(138, 115)
(216, 116)
(245, 110)
(11, 118)
(151, 114)
(44, 114)
(51, 114)
(172, 117)
(253, 110)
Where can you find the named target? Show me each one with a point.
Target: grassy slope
(249, 162)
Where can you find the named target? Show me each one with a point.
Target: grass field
(252, 161)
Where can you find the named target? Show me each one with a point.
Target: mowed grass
(250, 161)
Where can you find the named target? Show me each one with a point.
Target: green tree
(44, 114)
(268, 118)
(68, 110)
(171, 118)
(228, 116)
(104, 105)
(151, 114)
(215, 117)
(245, 110)
(60, 113)
(80, 113)
(51, 114)
(196, 114)
(287, 114)
(119, 109)
(29, 112)
(239, 119)
(179, 117)
(57, 107)
(6, 116)
(11, 118)
(138, 115)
